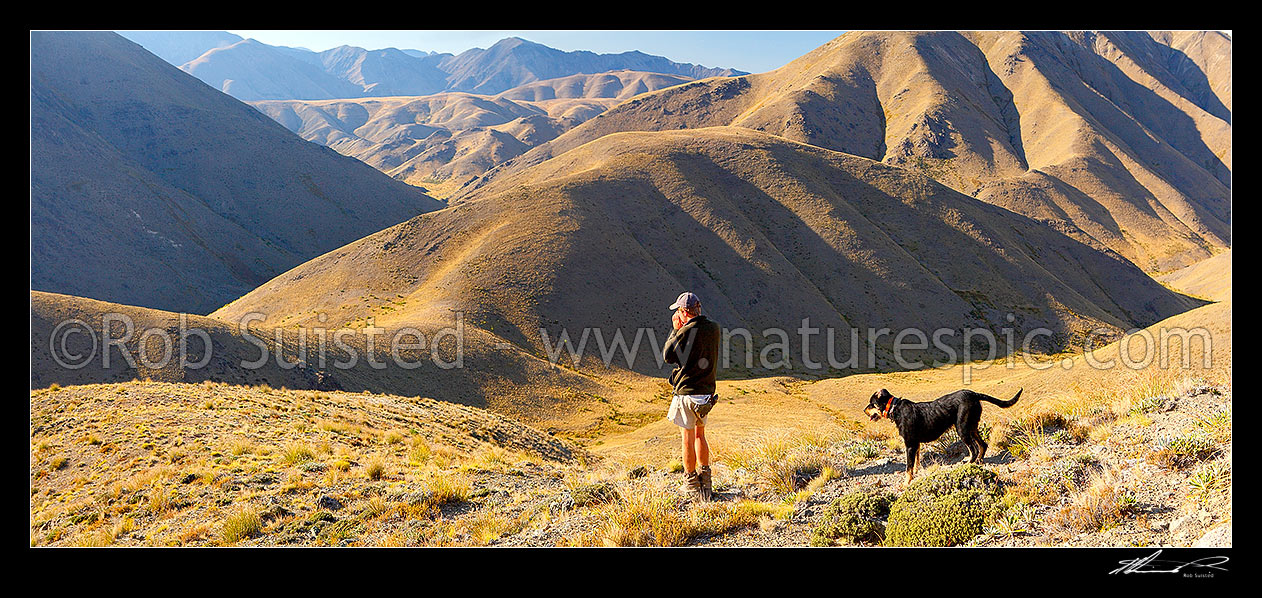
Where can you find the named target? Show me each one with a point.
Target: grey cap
(686, 300)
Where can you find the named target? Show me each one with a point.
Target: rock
(328, 502)
(189, 478)
(1217, 537)
(264, 479)
(274, 512)
(1178, 524)
(565, 503)
(638, 472)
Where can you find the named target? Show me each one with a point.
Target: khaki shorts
(682, 414)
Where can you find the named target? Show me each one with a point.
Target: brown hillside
(767, 231)
(494, 375)
(1208, 279)
(149, 188)
(1089, 132)
(622, 85)
(453, 137)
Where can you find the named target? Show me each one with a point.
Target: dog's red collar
(886, 413)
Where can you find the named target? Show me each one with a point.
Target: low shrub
(944, 509)
(594, 493)
(857, 517)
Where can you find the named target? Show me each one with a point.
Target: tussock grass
(1046, 485)
(1216, 426)
(488, 527)
(1182, 451)
(160, 499)
(375, 469)
(718, 518)
(375, 507)
(297, 452)
(1101, 505)
(1054, 422)
(447, 489)
(439, 490)
(241, 446)
(491, 525)
(593, 493)
(782, 463)
(1209, 481)
(241, 524)
(826, 475)
(1016, 519)
(95, 539)
(491, 458)
(651, 518)
(862, 450)
(296, 482)
(655, 517)
(419, 451)
(194, 533)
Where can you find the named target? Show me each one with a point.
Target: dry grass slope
(148, 188)
(1113, 138)
(444, 140)
(495, 375)
(766, 230)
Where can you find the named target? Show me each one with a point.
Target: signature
(1150, 564)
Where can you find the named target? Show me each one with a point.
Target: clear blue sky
(753, 51)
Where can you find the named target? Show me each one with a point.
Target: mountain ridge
(253, 71)
(445, 139)
(1020, 125)
(765, 230)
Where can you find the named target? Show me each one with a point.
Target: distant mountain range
(251, 70)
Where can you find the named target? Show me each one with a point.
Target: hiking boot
(707, 488)
(692, 483)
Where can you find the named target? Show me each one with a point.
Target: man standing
(693, 346)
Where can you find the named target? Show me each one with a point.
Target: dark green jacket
(694, 349)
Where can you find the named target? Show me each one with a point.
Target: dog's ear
(884, 394)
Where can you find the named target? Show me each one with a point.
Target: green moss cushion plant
(858, 517)
(944, 509)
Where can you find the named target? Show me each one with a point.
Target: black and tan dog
(926, 422)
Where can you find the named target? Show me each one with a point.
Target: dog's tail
(1005, 404)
